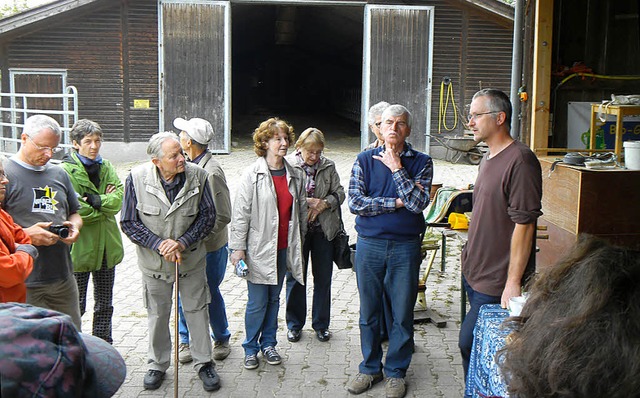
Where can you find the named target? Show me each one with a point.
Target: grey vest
(168, 220)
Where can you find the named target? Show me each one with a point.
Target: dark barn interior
(301, 63)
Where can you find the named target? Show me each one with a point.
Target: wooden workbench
(620, 111)
(575, 200)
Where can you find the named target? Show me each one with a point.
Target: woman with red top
(16, 252)
(267, 226)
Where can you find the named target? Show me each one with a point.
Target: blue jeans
(261, 315)
(391, 267)
(465, 341)
(216, 267)
(321, 251)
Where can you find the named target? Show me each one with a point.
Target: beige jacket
(254, 223)
(328, 188)
(168, 220)
(220, 192)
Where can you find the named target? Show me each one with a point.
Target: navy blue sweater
(400, 224)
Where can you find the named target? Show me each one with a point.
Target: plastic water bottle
(241, 269)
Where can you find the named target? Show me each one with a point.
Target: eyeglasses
(45, 148)
(472, 116)
(316, 153)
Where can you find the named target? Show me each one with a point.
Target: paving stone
(310, 368)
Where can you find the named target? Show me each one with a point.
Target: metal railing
(12, 118)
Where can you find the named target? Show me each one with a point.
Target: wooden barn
(135, 65)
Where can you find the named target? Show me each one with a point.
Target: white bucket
(632, 154)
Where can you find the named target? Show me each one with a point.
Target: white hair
(398, 110)
(36, 123)
(376, 110)
(154, 149)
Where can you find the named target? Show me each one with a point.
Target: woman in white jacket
(267, 226)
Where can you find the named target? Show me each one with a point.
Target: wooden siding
(143, 69)
(488, 61)
(111, 55)
(91, 50)
(449, 37)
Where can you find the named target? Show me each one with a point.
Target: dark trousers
(321, 251)
(465, 342)
(103, 297)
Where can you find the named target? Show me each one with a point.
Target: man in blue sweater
(388, 190)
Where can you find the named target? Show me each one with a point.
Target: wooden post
(541, 89)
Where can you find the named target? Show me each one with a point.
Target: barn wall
(471, 49)
(143, 68)
(110, 57)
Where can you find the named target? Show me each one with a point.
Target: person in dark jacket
(324, 196)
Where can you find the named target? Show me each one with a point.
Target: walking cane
(176, 331)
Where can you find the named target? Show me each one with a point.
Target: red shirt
(285, 203)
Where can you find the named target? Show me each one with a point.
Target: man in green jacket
(99, 247)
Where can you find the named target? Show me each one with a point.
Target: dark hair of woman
(579, 332)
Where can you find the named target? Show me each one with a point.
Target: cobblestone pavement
(310, 368)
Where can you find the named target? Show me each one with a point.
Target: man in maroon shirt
(500, 252)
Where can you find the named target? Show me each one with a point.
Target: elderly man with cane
(168, 210)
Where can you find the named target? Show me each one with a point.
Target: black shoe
(209, 377)
(293, 335)
(153, 379)
(272, 356)
(251, 361)
(323, 334)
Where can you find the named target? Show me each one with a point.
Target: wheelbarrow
(459, 146)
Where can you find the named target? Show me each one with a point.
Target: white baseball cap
(198, 129)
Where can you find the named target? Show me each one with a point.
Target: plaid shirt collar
(406, 151)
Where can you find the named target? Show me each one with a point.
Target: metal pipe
(516, 68)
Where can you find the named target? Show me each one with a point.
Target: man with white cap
(195, 135)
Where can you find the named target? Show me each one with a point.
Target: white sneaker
(184, 353)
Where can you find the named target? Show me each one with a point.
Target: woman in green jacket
(99, 247)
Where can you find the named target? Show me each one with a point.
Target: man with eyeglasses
(373, 119)
(40, 196)
(499, 255)
(388, 190)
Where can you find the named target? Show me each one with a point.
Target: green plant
(9, 9)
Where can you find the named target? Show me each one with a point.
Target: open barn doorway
(300, 63)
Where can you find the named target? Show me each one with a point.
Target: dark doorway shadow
(300, 63)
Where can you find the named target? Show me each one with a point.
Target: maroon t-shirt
(285, 203)
(508, 191)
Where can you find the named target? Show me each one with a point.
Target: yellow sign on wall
(141, 103)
